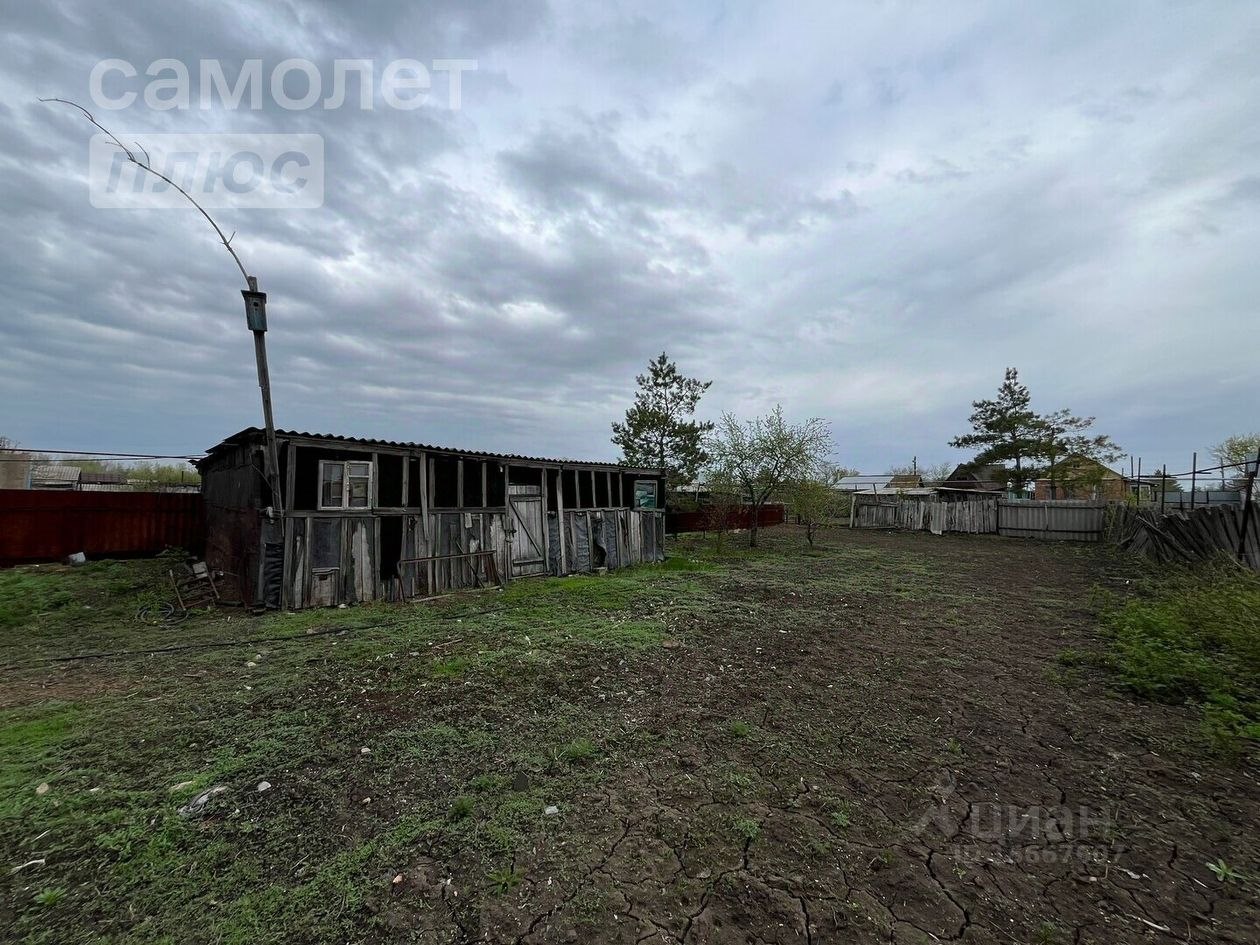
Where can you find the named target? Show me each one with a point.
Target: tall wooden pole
(1248, 506)
(256, 318)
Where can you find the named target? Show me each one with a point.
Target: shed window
(644, 494)
(345, 485)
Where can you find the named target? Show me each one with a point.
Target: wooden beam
(560, 530)
(546, 532)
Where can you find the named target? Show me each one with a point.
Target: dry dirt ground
(871, 741)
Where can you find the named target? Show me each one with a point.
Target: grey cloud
(862, 218)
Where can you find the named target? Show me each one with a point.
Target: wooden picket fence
(1185, 536)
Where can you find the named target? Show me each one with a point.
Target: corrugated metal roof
(253, 432)
(50, 473)
(864, 483)
(103, 478)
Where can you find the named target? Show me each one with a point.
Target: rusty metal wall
(47, 526)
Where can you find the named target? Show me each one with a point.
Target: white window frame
(656, 493)
(345, 485)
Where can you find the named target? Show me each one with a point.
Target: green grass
(739, 728)
(480, 712)
(579, 750)
(1192, 637)
(746, 828)
(504, 879)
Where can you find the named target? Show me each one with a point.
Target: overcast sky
(862, 211)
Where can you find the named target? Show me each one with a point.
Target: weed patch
(1193, 637)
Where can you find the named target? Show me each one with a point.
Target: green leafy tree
(814, 499)
(1005, 430)
(765, 454)
(659, 430)
(1057, 445)
(1065, 444)
(1235, 451)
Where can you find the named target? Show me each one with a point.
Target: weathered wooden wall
(977, 516)
(1051, 520)
(1186, 536)
(336, 559)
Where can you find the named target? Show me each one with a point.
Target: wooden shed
(362, 520)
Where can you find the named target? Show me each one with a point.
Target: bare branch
(146, 165)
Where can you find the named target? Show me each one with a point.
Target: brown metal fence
(703, 520)
(47, 526)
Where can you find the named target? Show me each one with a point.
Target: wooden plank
(564, 551)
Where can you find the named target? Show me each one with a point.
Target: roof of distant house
(906, 481)
(968, 476)
(103, 479)
(864, 483)
(51, 473)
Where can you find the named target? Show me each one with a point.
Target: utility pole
(1249, 506)
(256, 319)
(271, 560)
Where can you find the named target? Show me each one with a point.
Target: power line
(88, 454)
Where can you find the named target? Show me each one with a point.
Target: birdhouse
(255, 309)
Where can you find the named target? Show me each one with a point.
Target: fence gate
(525, 525)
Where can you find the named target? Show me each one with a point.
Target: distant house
(968, 477)
(1079, 477)
(104, 482)
(880, 484)
(48, 476)
(864, 484)
(904, 481)
(15, 470)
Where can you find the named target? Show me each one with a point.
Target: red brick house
(1079, 477)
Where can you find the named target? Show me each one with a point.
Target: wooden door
(525, 521)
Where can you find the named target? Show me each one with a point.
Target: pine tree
(1005, 430)
(659, 429)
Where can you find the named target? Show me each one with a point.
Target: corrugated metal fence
(1051, 519)
(703, 519)
(47, 526)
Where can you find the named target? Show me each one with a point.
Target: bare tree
(764, 454)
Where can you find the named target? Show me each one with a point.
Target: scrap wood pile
(1185, 536)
